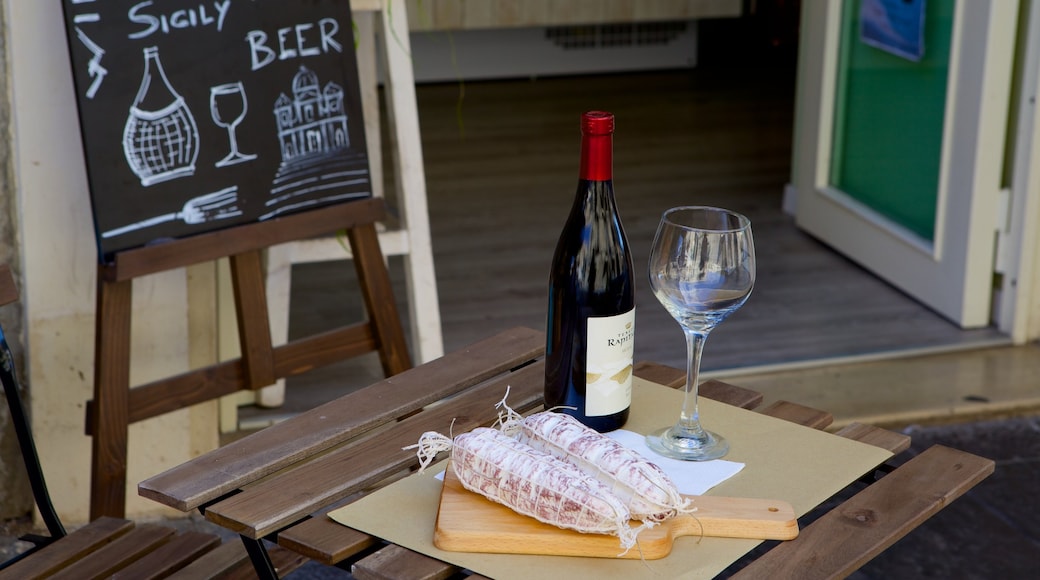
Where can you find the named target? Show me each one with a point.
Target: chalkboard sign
(206, 114)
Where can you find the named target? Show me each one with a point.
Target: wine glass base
(687, 447)
(234, 158)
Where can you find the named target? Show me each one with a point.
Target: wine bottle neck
(596, 157)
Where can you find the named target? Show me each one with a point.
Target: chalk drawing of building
(318, 165)
(313, 121)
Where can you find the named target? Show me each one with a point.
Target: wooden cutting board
(469, 522)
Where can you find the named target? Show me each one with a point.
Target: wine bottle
(591, 316)
(160, 138)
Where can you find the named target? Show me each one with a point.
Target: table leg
(261, 559)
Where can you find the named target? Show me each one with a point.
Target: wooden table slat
(876, 436)
(172, 556)
(119, 553)
(227, 557)
(848, 536)
(322, 539)
(269, 506)
(285, 562)
(799, 414)
(396, 563)
(730, 394)
(77, 544)
(206, 478)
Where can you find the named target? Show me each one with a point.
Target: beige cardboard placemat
(785, 461)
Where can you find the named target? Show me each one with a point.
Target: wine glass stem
(233, 139)
(689, 419)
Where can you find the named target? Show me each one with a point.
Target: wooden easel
(116, 405)
(380, 24)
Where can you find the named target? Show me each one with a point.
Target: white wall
(59, 260)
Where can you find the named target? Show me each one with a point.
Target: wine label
(608, 366)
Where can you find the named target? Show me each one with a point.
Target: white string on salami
(644, 487)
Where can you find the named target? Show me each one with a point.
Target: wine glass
(228, 106)
(702, 268)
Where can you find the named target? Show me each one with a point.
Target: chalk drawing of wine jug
(161, 139)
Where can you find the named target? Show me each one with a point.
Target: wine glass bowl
(228, 106)
(702, 269)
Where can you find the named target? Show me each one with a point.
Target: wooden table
(279, 483)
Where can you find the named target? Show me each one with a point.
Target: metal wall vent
(614, 35)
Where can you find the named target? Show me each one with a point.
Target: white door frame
(1017, 311)
(977, 103)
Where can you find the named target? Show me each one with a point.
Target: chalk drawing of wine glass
(228, 106)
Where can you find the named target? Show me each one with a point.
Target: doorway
(501, 166)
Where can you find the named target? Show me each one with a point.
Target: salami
(532, 483)
(647, 491)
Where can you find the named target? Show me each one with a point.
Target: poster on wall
(197, 116)
(895, 26)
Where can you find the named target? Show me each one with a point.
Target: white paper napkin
(691, 477)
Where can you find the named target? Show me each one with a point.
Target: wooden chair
(107, 547)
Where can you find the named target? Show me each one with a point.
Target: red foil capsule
(597, 144)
